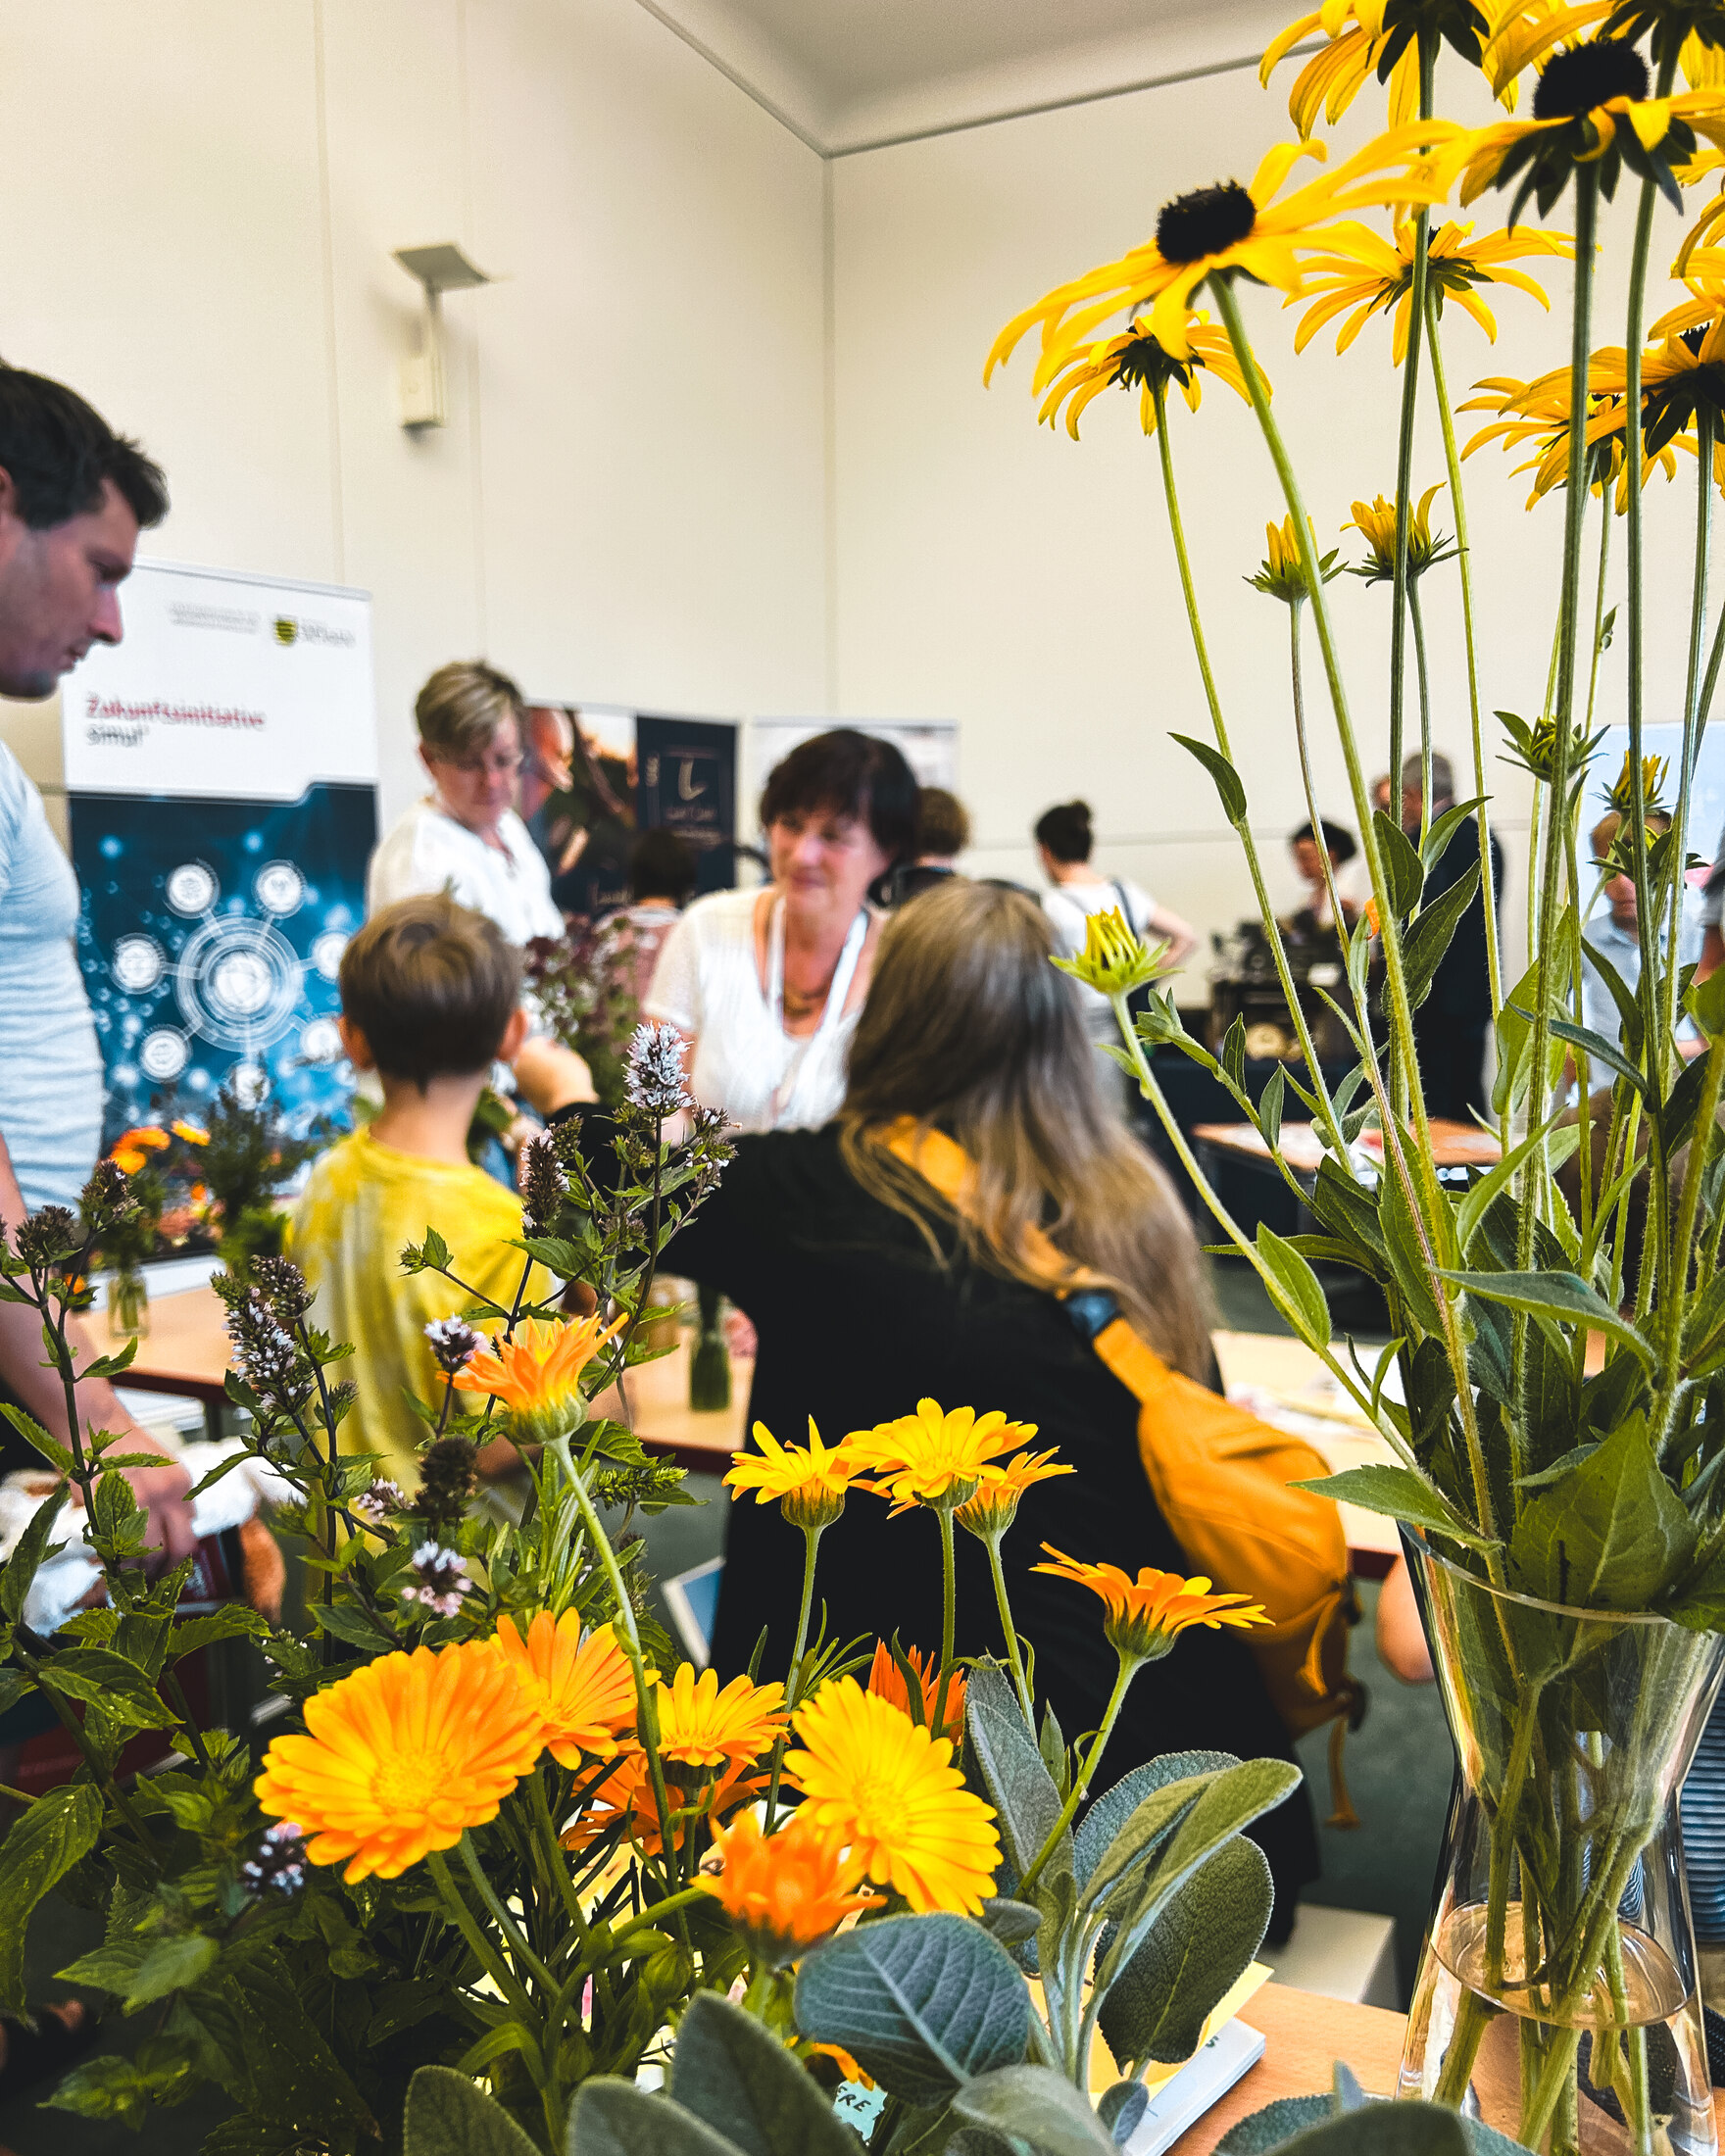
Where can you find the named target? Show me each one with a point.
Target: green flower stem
(629, 1634)
(556, 1861)
(1698, 636)
(1399, 1011)
(1606, 519)
(487, 1957)
(1020, 1684)
(948, 1615)
(1400, 585)
(792, 1690)
(1710, 679)
(685, 1898)
(1130, 1665)
(1425, 711)
(505, 1922)
(1676, 1295)
(1330, 1120)
(1346, 1378)
(1464, 570)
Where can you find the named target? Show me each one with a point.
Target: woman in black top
(867, 1294)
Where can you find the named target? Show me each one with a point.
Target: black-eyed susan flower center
(1204, 223)
(1143, 363)
(1575, 81)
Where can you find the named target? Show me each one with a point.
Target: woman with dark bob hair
(765, 986)
(869, 1293)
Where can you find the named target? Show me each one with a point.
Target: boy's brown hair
(431, 985)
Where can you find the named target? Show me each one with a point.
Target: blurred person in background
(765, 986)
(1064, 843)
(870, 1292)
(548, 739)
(943, 831)
(1314, 923)
(465, 838)
(1450, 1027)
(662, 874)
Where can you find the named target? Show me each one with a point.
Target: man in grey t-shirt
(73, 496)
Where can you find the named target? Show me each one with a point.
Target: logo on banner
(288, 629)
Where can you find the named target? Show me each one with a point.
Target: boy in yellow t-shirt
(430, 995)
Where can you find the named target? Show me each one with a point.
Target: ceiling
(849, 74)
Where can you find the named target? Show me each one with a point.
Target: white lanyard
(842, 975)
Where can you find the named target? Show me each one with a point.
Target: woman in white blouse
(465, 837)
(766, 984)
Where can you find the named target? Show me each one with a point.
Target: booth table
(1304, 2035)
(185, 1352)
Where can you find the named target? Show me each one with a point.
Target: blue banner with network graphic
(211, 940)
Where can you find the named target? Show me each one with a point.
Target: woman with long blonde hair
(870, 1292)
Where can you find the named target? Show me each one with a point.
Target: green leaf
(232, 1621)
(346, 1622)
(738, 2078)
(1231, 1802)
(1622, 994)
(1228, 779)
(1408, 1263)
(1034, 2104)
(171, 1965)
(290, 2072)
(1199, 1946)
(108, 1681)
(32, 1433)
(1148, 1824)
(1019, 1784)
(1599, 1051)
(1269, 1104)
(20, 1570)
(449, 2114)
(1103, 1819)
(1425, 942)
(1299, 1284)
(1705, 1004)
(38, 1852)
(614, 2118)
(1564, 1296)
(1398, 1494)
(921, 2003)
(1403, 872)
(1445, 827)
(1377, 2130)
(1483, 1191)
(1700, 1604)
(1611, 1535)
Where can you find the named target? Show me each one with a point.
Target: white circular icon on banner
(192, 888)
(238, 982)
(250, 1083)
(320, 1042)
(163, 1055)
(140, 962)
(280, 888)
(326, 953)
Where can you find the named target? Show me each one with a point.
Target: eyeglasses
(504, 766)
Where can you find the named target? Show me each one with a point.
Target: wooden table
(1303, 2037)
(1455, 1146)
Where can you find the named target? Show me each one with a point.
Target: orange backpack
(1222, 1480)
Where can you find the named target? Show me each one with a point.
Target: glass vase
(1557, 1995)
(128, 1304)
(710, 1365)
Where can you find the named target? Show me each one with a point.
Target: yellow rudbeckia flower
(1115, 958)
(1375, 522)
(1377, 276)
(1135, 361)
(1231, 228)
(1536, 415)
(1281, 574)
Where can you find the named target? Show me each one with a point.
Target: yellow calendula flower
(580, 1683)
(1231, 228)
(785, 1892)
(1592, 107)
(993, 1505)
(1134, 360)
(403, 1757)
(888, 1793)
(537, 1374)
(808, 1481)
(702, 1726)
(1115, 960)
(1378, 276)
(1359, 49)
(1375, 522)
(1147, 1615)
(1281, 574)
(933, 1457)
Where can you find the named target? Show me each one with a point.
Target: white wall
(199, 204)
(999, 574)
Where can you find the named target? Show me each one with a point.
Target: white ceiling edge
(1199, 38)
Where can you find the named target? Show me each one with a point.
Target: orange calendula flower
(886, 1681)
(581, 1685)
(1147, 1615)
(537, 1375)
(889, 1792)
(933, 1457)
(191, 1133)
(994, 1505)
(133, 1147)
(403, 1757)
(808, 1481)
(626, 1797)
(701, 1726)
(785, 1892)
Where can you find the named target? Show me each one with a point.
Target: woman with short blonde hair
(870, 1292)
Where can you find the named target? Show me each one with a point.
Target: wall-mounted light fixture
(439, 270)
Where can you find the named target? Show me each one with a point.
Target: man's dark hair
(943, 829)
(662, 866)
(58, 451)
(847, 774)
(1339, 841)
